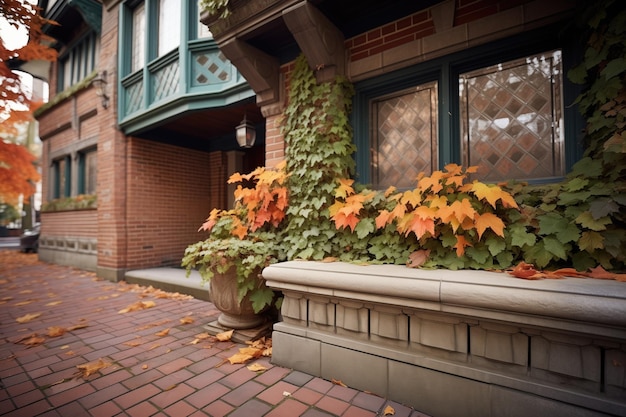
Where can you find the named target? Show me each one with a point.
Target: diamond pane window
(404, 136)
(512, 121)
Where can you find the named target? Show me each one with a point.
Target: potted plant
(242, 241)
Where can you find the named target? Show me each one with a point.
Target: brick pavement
(148, 374)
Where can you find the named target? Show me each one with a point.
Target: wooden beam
(321, 42)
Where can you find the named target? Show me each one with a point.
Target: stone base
(241, 336)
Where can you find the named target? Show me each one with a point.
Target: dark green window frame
(62, 170)
(446, 71)
(85, 185)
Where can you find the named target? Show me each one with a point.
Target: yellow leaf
(91, 368)
(139, 305)
(56, 331)
(28, 317)
(389, 411)
(144, 367)
(239, 358)
(256, 367)
(491, 221)
(224, 336)
(23, 303)
(162, 333)
(54, 303)
(186, 320)
(133, 343)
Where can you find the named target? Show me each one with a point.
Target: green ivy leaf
(586, 220)
(583, 261)
(555, 247)
(566, 199)
(551, 223)
(365, 227)
(520, 237)
(576, 184)
(496, 245)
(590, 241)
(538, 255)
(603, 207)
(478, 253)
(614, 68)
(261, 298)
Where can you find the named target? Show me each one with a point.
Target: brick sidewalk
(149, 374)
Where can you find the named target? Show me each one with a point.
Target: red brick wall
(421, 24)
(170, 192)
(79, 223)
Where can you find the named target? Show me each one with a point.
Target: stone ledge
(597, 306)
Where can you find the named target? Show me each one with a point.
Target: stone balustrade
(456, 343)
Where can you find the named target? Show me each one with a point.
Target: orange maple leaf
(463, 210)
(460, 245)
(383, 219)
(491, 221)
(432, 181)
(420, 226)
(342, 221)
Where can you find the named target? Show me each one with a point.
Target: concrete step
(170, 279)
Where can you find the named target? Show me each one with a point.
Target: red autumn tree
(17, 169)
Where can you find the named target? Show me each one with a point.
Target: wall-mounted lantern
(100, 84)
(246, 134)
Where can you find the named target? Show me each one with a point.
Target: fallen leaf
(337, 382)
(389, 411)
(33, 341)
(64, 347)
(202, 336)
(171, 387)
(54, 303)
(256, 367)
(28, 317)
(144, 367)
(154, 346)
(77, 326)
(133, 343)
(286, 394)
(23, 303)
(186, 320)
(162, 333)
(240, 358)
(56, 331)
(225, 336)
(26, 292)
(139, 305)
(91, 368)
(70, 353)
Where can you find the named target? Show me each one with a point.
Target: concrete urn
(234, 314)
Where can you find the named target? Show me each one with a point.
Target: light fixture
(100, 84)
(245, 133)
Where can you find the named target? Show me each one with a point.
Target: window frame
(66, 191)
(78, 61)
(83, 173)
(446, 70)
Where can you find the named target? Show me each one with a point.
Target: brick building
(475, 82)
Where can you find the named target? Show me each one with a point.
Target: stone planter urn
(234, 314)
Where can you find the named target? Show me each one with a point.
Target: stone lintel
(321, 42)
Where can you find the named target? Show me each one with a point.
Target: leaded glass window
(511, 119)
(404, 136)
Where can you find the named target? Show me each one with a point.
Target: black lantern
(246, 134)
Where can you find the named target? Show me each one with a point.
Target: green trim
(446, 71)
(91, 11)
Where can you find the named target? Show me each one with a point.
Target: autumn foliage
(18, 173)
(19, 13)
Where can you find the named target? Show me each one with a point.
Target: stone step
(170, 279)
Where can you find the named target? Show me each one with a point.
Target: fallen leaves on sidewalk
(139, 305)
(28, 317)
(389, 411)
(163, 332)
(91, 368)
(254, 350)
(225, 336)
